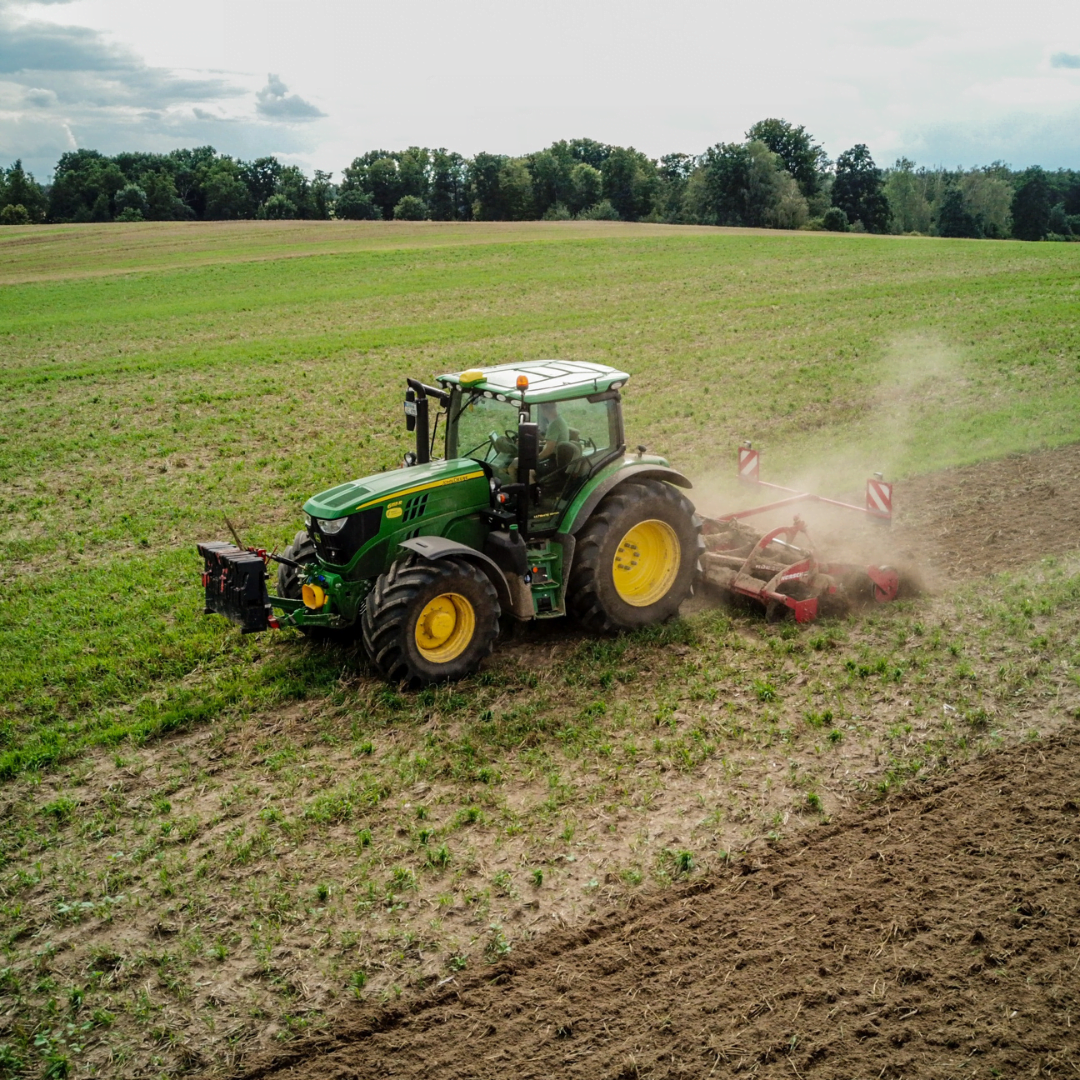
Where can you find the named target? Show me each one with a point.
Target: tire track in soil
(937, 932)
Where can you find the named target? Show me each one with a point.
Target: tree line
(777, 177)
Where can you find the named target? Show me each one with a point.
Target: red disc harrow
(779, 573)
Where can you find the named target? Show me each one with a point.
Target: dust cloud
(917, 377)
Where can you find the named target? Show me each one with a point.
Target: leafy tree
(988, 199)
(1031, 206)
(384, 180)
(448, 199)
(261, 177)
(1071, 193)
(630, 182)
(674, 174)
(954, 219)
(14, 214)
(83, 187)
(717, 191)
(858, 189)
(322, 195)
(356, 205)
(163, 203)
(484, 185)
(835, 220)
(602, 211)
(278, 207)
(19, 188)
(1059, 223)
(414, 172)
(410, 208)
(804, 159)
(745, 184)
(586, 186)
(189, 169)
(227, 195)
(589, 152)
(293, 186)
(906, 193)
(787, 207)
(516, 190)
(131, 201)
(551, 171)
(387, 176)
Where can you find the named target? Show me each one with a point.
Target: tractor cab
(570, 410)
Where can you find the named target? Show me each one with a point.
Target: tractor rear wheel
(636, 558)
(425, 622)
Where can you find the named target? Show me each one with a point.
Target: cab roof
(549, 380)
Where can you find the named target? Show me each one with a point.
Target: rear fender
(587, 501)
(434, 548)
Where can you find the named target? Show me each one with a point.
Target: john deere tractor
(534, 511)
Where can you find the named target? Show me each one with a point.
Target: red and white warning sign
(879, 497)
(748, 464)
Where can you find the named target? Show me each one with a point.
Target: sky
(951, 82)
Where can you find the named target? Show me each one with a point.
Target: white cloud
(276, 103)
(509, 77)
(38, 98)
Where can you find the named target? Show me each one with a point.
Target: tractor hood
(371, 491)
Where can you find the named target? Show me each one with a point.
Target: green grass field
(154, 378)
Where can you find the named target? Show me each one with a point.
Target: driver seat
(569, 465)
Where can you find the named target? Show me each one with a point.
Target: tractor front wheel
(290, 582)
(636, 558)
(426, 622)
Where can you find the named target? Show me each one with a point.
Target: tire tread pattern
(391, 603)
(587, 602)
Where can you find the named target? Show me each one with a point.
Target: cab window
(486, 430)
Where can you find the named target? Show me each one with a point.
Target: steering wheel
(511, 434)
(489, 441)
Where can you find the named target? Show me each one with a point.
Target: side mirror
(528, 450)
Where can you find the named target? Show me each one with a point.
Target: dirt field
(932, 936)
(937, 934)
(988, 518)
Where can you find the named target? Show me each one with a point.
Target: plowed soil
(997, 515)
(936, 935)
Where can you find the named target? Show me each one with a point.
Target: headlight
(329, 528)
(307, 523)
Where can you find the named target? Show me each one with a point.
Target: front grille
(339, 549)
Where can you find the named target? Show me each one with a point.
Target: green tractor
(535, 511)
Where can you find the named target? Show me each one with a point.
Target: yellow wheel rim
(646, 563)
(445, 628)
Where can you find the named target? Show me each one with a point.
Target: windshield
(486, 430)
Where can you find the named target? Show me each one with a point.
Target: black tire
(302, 550)
(595, 600)
(402, 595)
